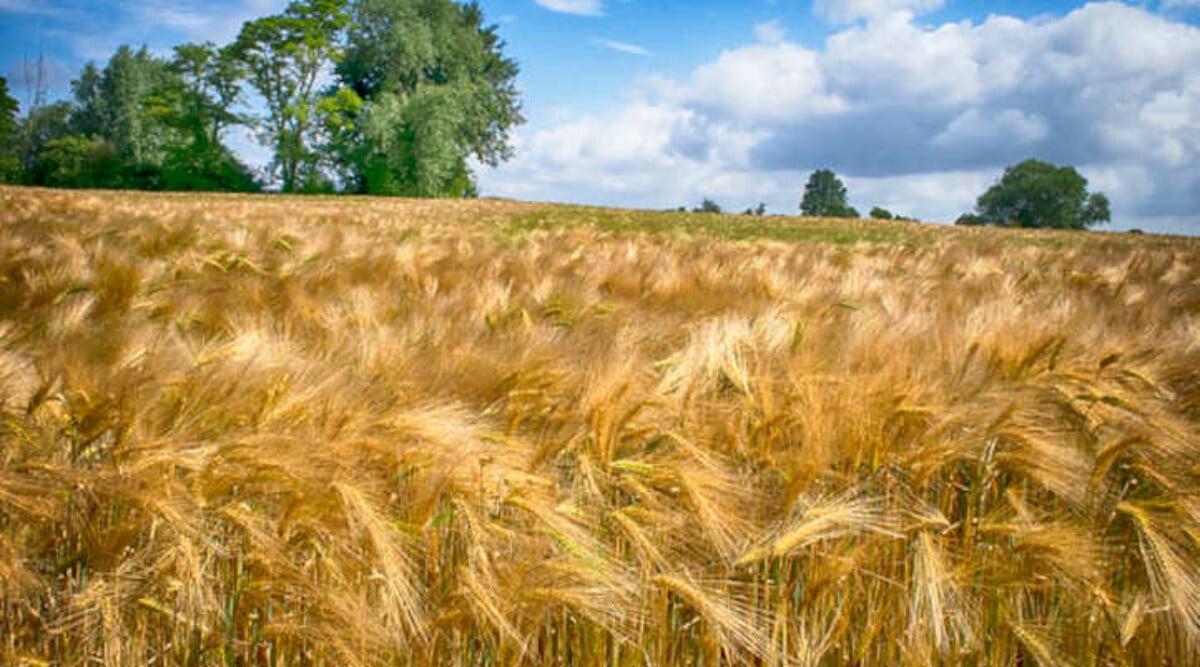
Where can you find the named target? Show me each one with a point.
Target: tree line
(1030, 194)
(388, 97)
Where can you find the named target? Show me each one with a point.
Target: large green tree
(425, 87)
(284, 56)
(825, 196)
(1039, 194)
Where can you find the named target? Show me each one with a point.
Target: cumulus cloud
(768, 83)
(580, 7)
(919, 119)
(976, 129)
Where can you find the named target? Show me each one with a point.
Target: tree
(825, 196)
(210, 89)
(10, 132)
(1038, 194)
(707, 206)
(759, 210)
(76, 161)
(86, 119)
(284, 56)
(424, 86)
(199, 104)
(879, 213)
(113, 105)
(42, 125)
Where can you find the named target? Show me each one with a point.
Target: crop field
(285, 431)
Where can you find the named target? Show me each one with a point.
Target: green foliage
(209, 79)
(283, 56)
(1038, 194)
(75, 161)
(425, 88)
(140, 123)
(406, 145)
(825, 196)
(41, 126)
(87, 117)
(10, 129)
(970, 220)
(759, 210)
(207, 168)
(117, 104)
(878, 213)
(707, 206)
(425, 85)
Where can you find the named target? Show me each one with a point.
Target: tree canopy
(283, 56)
(373, 96)
(1039, 194)
(424, 86)
(825, 196)
(10, 164)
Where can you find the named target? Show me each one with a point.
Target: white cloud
(623, 47)
(769, 32)
(934, 197)
(899, 61)
(917, 119)
(849, 11)
(761, 83)
(976, 128)
(581, 7)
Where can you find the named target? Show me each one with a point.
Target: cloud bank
(917, 118)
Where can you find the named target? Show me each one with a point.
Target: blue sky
(917, 104)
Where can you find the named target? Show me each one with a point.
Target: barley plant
(284, 431)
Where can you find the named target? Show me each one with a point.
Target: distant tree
(707, 206)
(882, 214)
(1038, 194)
(970, 220)
(10, 135)
(825, 196)
(283, 56)
(759, 210)
(425, 86)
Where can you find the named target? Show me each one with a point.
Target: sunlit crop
(287, 431)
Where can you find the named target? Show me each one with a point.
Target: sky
(918, 105)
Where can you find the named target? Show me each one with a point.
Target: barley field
(286, 431)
